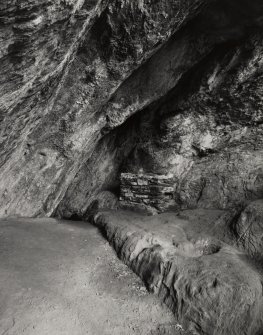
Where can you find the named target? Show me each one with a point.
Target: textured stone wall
(74, 72)
(209, 285)
(61, 64)
(208, 131)
(147, 192)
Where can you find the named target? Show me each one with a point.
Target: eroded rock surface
(206, 283)
(206, 131)
(92, 90)
(211, 139)
(62, 61)
(249, 229)
(74, 73)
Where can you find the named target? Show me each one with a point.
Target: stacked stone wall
(147, 192)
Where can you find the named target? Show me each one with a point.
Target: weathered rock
(224, 181)
(73, 71)
(206, 283)
(249, 230)
(91, 89)
(210, 135)
(61, 66)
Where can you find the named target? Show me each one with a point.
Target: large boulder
(208, 284)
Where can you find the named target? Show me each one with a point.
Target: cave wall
(207, 132)
(212, 138)
(81, 82)
(62, 61)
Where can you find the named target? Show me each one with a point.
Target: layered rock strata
(147, 193)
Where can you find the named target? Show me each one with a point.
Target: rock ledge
(206, 283)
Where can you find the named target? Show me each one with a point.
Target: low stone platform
(151, 193)
(211, 286)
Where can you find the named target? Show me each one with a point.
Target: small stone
(142, 182)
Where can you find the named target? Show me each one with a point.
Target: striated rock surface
(62, 61)
(205, 128)
(75, 74)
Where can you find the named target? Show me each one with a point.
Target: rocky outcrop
(210, 138)
(62, 62)
(74, 73)
(206, 283)
(248, 230)
(206, 131)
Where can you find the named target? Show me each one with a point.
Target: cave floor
(60, 277)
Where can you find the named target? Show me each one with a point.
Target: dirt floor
(65, 279)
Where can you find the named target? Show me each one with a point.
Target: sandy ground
(65, 279)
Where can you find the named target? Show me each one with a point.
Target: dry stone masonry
(151, 193)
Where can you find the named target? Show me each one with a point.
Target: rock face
(158, 104)
(206, 283)
(206, 130)
(248, 229)
(211, 139)
(75, 74)
(62, 62)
